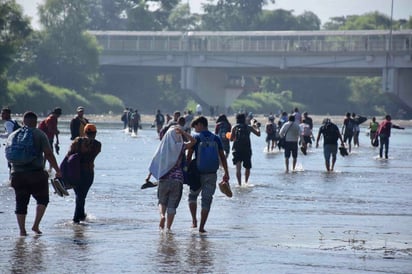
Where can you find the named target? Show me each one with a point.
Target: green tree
(107, 14)
(14, 29)
(181, 19)
(234, 15)
(67, 55)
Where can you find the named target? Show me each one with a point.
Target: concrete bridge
(214, 64)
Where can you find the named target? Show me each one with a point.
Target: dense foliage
(62, 54)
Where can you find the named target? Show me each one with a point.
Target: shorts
(169, 193)
(208, 188)
(244, 156)
(291, 148)
(307, 139)
(271, 137)
(32, 183)
(328, 150)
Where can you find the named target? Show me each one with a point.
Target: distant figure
(373, 128)
(166, 166)
(331, 135)
(77, 124)
(188, 118)
(348, 130)
(31, 179)
(271, 133)
(88, 148)
(298, 116)
(159, 120)
(384, 133)
(242, 148)
(49, 126)
(135, 120)
(305, 137)
(222, 127)
(199, 109)
(283, 119)
(207, 180)
(291, 131)
(9, 124)
(308, 120)
(356, 131)
(124, 117)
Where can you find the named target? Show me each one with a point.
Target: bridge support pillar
(211, 86)
(399, 83)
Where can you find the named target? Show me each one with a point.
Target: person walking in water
(222, 127)
(373, 128)
(77, 124)
(31, 179)
(291, 132)
(384, 133)
(207, 179)
(88, 148)
(166, 166)
(242, 148)
(348, 129)
(331, 135)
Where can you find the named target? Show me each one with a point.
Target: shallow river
(357, 219)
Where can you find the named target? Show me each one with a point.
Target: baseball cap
(90, 128)
(80, 109)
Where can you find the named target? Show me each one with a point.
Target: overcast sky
(324, 9)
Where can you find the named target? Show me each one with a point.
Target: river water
(357, 219)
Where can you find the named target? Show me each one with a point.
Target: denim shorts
(208, 187)
(169, 193)
(329, 149)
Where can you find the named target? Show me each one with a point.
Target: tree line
(60, 61)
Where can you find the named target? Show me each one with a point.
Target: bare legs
(21, 220)
(294, 161)
(239, 173)
(163, 219)
(204, 213)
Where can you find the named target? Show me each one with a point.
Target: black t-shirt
(330, 134)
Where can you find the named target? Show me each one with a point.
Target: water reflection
(28, 254)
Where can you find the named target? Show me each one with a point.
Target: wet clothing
(242, 149)
(88, 149)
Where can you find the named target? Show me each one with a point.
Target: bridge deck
(257, 42)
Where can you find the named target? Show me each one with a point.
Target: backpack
(270, 129)
(70, 170)
(207, 157)
(330, 134)
(20, 149)
(16, 125)
(242, 139)
(349, 127)
(223, 129)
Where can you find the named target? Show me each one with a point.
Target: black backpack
(242, 139)
(16, 125)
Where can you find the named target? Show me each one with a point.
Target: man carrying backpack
(331, 135)
(9, 124)
(208, 150)
(242, 149)
(28, 177)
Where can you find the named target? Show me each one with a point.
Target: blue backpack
(207, 157)
(20, 149)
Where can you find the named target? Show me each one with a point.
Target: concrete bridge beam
(399, 83)
(210, 85)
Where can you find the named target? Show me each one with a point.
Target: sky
(324, 9)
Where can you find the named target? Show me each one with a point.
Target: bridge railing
(256, 42)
